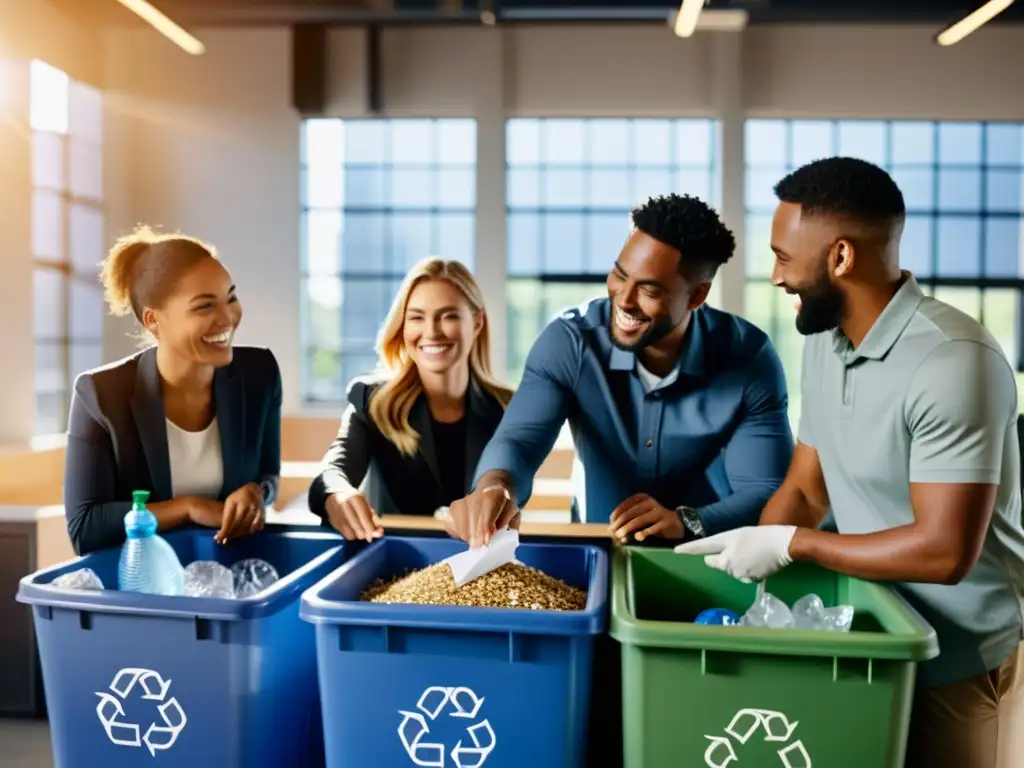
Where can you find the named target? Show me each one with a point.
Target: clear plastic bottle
(148, 563)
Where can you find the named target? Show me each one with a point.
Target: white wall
(854, 71)
(210, 144)
(28, 29)
(35, 29)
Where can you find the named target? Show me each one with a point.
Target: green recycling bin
(749, 697)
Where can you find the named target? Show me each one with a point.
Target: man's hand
(352, 516)
(477, 517)
(644, 516)
(243, 513)
(748, 554)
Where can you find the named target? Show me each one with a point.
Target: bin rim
(627, 629)
(275, 598)
(592, 620)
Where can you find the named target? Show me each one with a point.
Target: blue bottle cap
(718, 616)
(140, 523)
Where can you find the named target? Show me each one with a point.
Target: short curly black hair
(844, 186)
(690, 226)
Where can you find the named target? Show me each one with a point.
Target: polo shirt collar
(889, 326)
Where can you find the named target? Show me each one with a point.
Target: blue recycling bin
(450, 686)
(137, 680)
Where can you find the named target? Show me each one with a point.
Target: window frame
(588, 283)
(327, 390)
(932, 283)
(63, 265)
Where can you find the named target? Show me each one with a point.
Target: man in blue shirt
(678, 411)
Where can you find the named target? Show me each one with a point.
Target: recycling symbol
(460, 703)
(111, 711)
(747, 722)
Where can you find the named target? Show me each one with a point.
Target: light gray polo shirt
(928, 397)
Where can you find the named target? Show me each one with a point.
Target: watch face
(693, 522)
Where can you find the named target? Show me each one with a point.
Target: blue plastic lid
(140, 523)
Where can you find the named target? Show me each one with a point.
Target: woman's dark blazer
(117, 439)
(408, 485)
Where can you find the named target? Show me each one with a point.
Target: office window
(570, 187)
(962, 186)
(377, 196)
(66, 119)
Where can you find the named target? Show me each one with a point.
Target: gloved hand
(748, 554)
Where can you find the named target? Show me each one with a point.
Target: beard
(821, 309)
(656, 331)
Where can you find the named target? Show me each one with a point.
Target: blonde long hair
(391, 405)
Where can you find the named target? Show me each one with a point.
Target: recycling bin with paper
(737, 696)
(136, 680)
(455, 686)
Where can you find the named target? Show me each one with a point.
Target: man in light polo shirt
(908, 432)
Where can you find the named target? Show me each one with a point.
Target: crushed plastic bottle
(839, 618)
(767, 611)
(252, 576)
(809, 613)
(148, 563)
(207, 578)
(84, 579)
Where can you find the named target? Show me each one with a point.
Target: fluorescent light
(972, 22)
(686, 19)
(164, 26)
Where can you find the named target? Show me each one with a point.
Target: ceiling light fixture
(155, 18)
(971, 22)
(686, 19)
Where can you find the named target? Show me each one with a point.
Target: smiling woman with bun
(417, 427)
(192, 418)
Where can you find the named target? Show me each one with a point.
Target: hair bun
(144, 265)
(117, 269)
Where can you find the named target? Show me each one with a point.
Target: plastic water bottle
(148, 563)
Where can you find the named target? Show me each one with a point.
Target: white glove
(748, 554)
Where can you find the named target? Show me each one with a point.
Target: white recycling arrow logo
(158, 736)
(745, 723)
(461, 703)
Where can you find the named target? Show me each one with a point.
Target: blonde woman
(419, 425)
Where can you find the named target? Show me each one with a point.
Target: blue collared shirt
(714, 435)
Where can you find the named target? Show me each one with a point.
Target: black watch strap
(692, 523)
(267, 489)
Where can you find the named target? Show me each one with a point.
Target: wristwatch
(267, 491)
(692, 523)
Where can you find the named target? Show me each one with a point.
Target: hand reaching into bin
(352, 516)
(749, 554)
(243, 513)
(488, 509)
(238, 515)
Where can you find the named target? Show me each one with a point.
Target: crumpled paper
(479, 561)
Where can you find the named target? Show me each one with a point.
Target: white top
(197, 466)
(649, 380)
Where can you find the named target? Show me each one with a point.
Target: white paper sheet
(474, 563)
